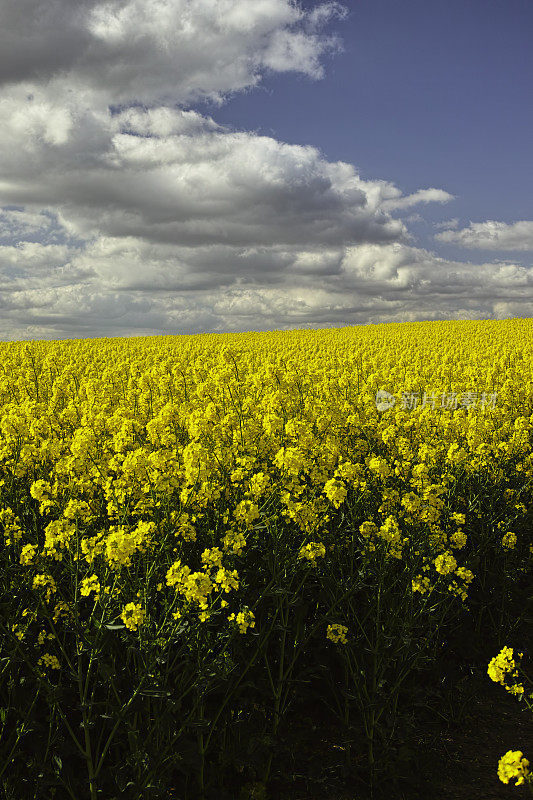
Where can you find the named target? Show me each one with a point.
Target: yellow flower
(337, 633)
(92, 547)
(89, 585)
(244, 619)
(177, 573)
(420, 584)
(509, 540)
(133, 615)
(247, 512)
(39, 488)
(234, 541)
(227, 579)
(368, 529)
(57, 536)
(513, 765)
(458, 539)
(445, 563)
(380, 466)
(49, 660)
(466, 574)
(43, 635)
(122, 544)
(18, 631)
(43, 581)
(196, 587)
(259, 483)
(212, 557)
(290, 459)
(335, 491)
(27, 554)
(312, 551)
(502, 666)
(62, 610)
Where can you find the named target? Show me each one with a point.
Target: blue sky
(188, 166)
(426, 93)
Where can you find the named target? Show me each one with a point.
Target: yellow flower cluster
(420, 584)
(133, 615)
(503, 666)
(312, 551)
(244, 619)
(50, 661)
(509, 540)
(500, 669)
(513, 765)
(11, 524)
(120, 544)
(90, 584)
(43, 635)
(47, 582)
(337, 633)
(335, 491)
(445, 563)
(27, 554)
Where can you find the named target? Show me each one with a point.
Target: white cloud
(421, 196)
(18, 222)
(32, 255)
(323, 13)
(511, 310)
(130, 286)
(126, 214)
(160, 50)
(170, 176)
(173, 223)
(492, 235)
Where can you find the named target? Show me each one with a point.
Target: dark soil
(461, 761)
(449, 757)
(452, 738)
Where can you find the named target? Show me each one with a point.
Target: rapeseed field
(201, 532)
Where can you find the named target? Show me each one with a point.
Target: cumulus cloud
(492, 235)
(395, 201)
(154, 51)
(124, 212)
(129, 286)
(31, 256)
(175, 177)
(172, 223)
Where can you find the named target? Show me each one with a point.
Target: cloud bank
(124, 211)
(492, 235)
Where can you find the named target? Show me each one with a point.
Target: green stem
(19, 734)
(122, 713)
(278, 689)
(87, 736)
